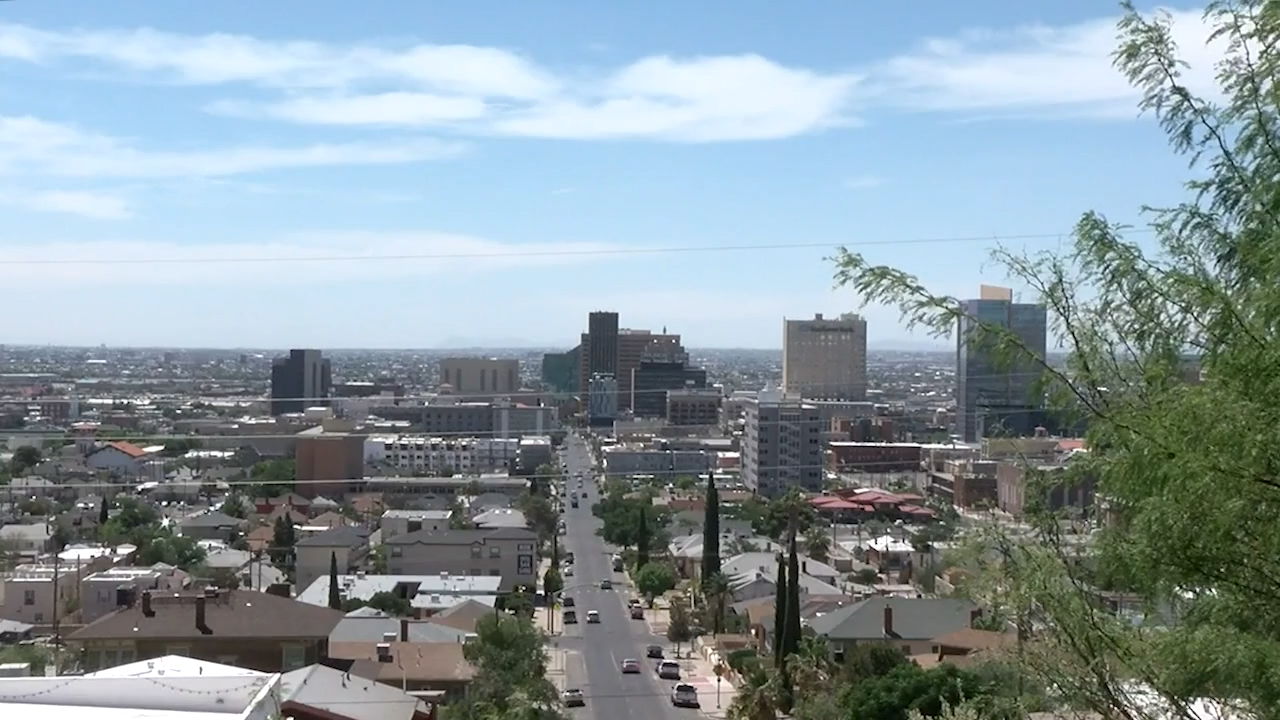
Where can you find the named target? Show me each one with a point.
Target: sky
(389, 174)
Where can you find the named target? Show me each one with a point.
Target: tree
(552, 581)
(510, 672)
(642, 536)
(539, 513)
(335, 594)
(654, 579)
(780, 612)
(817, 543)
(283, 536)
(104, 514)
(679, 627)
(907, 687)
(378, 560)
(24, 458)
(792, 618)
(1170, 437)
(234, 507)
(176, 550)
(274, 476)
(711, 531)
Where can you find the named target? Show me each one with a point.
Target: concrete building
(600, 345)
(328, 458)
(621, 460)
(403, 522)
(300, 380)
(102, 593)
(825, 359)
(502, 418)
(602, 400)
(620, 356)
(481, 376)
(782, 445)
(663, 367)
(350, 545)
(693, 409)
(994, 394)
(508, 553)
(462, 455)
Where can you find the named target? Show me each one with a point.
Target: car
(570, 617)
(567, 601)
(606, 585)
(685, 695)
(568, 571)
(593, 617)
(573, 502)
(630, 666)
(654, 651)
(637, 613)
(573, 697)
(668, 670)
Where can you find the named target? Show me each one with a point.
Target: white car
(593, 617)
(568, 571)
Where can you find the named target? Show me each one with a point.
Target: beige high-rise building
(825, 359)
(481, 376)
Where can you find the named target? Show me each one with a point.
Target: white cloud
(1067, 69)
(32, 146)
(317, 259)
(96, 206)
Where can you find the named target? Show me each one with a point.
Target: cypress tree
(711, 532)
(335, 600)
(793, 598)
(642, 538)
(780, 612)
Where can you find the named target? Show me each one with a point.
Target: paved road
(610, 694)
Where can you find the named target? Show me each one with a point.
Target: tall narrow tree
(642, 538)
(335, 598)
(711, 531)
(780, 612)
(793, 598)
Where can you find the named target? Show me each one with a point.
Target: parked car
(567, 601)
(637, 613)
(669, 670)
(593, 617)
(654, 651)
(685, 696)
(570, 617)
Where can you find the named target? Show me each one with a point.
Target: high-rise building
(662, 369)
(481, 376)
(602, 344)
(602, 400)
(825, 359)
(782, 445)
(560, 371)
(300, 380)
(606, 349)
(995, 394)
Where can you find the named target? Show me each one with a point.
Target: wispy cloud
(862, 182)
(307, 259)
(32, 146)
(92, 205)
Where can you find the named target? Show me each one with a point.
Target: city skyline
(698, 171)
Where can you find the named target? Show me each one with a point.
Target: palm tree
(757, 698)
(716, 596)
(817, 543)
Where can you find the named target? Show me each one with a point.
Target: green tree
(654, 579)
(335, 594)
(378, 560)
(552, 581)
(283, 536)
(780, 612)
(274, 476)
(906, 688)
(711, 531)
(539, 513)
(510, 673)
(24, 458)
(177, 550)
(235, 507)
(817, 543)
(792, 618)
(643, 536)
(1180, 448)
(679, 625)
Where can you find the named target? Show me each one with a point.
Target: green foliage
(654, 579)
(177, 550)
(780, 612)
(540, 514)
(552, 581)
(283, 536)
(644, 535)
(791, 637)
(274, 476)
(511, 673)
(24, 458)
(235, 507)
(907, 688)
(711, 530)
(1185, 460)
(620, 516)
(335, 592)
(770, 518)
(679, 624)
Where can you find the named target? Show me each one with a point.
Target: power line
(619, 252)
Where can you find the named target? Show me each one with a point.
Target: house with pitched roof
(235, 627)
(119, 458)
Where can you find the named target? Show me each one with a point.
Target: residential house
(121, 459)
(318, 692)
(13, 632)
(908, 623)
(233, 568)
(965, 645)
(102, 593)
(168, 687)
(500, 518)
(414, 667)
(28, 540)
(403, 522)
(768, 561)
(212, 525)
(759, 614)
(37, 594)
(236, 627)
(370, 625)
(350, 544)
(428, 595)
(686, 550)
(508, 553)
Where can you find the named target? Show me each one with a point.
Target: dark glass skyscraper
(300, 380)
(993, 397)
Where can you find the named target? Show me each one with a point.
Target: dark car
(654, 651)
(567, 601)
(570, 617)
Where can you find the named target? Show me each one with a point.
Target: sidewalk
(557, 668)
(700, 673)
(658, 618)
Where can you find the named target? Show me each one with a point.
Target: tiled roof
(232, 614)
(129, 449)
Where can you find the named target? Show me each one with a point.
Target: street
(602, 648)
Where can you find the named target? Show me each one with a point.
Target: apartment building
(403, 522)
(38, 594)
(480, 376)
(446, 416)
(623, 460)
(825, 359)
(438, 454)
(508, 553)
(782, 446)
(102, 593)
(328, 458)
(311, 556)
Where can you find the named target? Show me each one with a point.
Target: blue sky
(504, 167)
